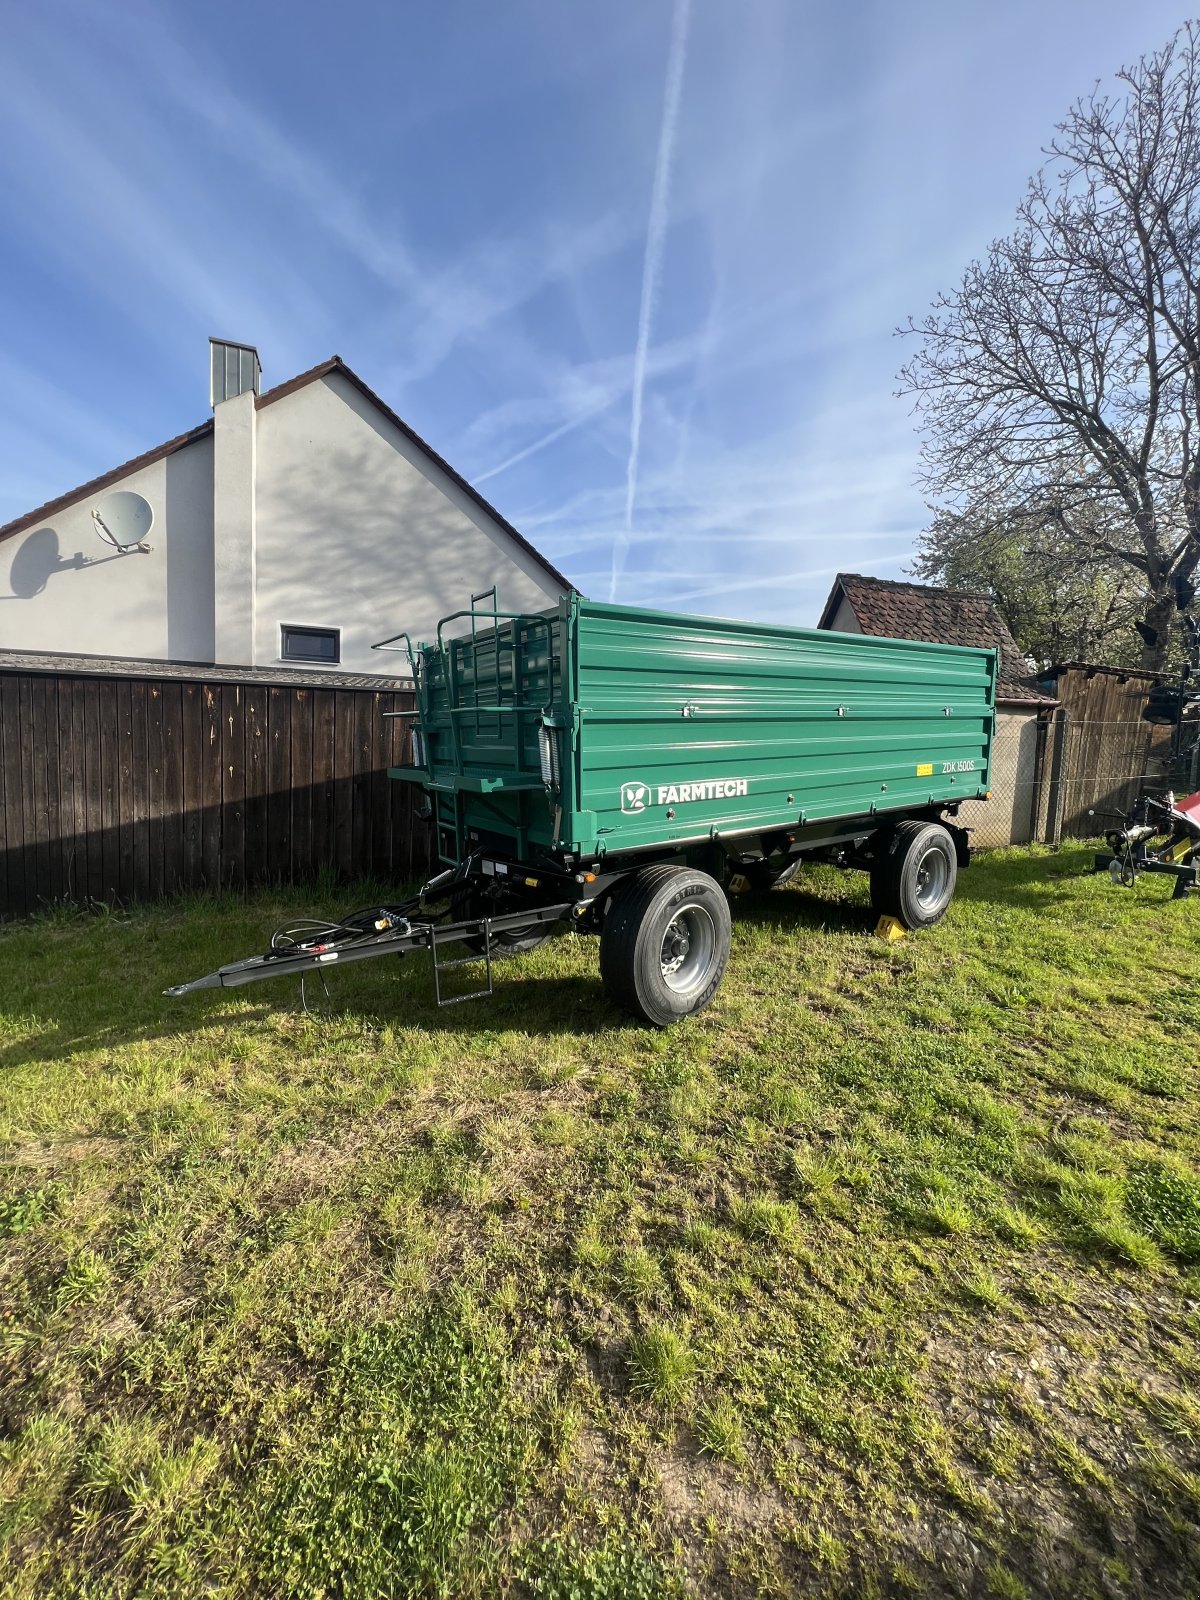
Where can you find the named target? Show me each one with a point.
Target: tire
(914, 878)
(664, 945)
(762, 875)
(517, 943)
(511, 944)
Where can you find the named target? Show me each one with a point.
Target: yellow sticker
(925, 769)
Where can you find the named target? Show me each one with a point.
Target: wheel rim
(933, 875)
(688, 949)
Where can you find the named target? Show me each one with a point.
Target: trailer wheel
(516, 942)
(762, 875)
(665, 943)
(913, 880)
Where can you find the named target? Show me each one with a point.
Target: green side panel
(690, 726)
(483, 697)
(669, 728)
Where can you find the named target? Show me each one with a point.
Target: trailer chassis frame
(398, 930)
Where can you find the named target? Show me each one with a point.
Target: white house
(299, 525)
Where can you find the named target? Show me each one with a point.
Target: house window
(311, 644)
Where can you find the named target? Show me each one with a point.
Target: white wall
(1007, 818)
(189, 545)
(358, 530)
(235, 433)
(844, 620)
(63, 589)
(322, 513)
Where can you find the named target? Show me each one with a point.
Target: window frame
(288, 628)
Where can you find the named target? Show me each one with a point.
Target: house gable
(340, 516)
(892, 610)
(358, 527)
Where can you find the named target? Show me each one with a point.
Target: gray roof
(193, 671)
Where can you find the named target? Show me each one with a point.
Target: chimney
(235, 385)
(235, 368)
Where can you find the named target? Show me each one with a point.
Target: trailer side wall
(671, 728)
(688, 725)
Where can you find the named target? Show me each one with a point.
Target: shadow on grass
(118, 1000)
(395, 991)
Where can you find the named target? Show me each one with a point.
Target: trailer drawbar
(619, 771)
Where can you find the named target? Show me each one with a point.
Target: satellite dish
(123, 519)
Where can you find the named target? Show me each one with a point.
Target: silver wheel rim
(688, 949)
(933, 876)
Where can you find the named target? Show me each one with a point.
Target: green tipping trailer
(595, 730)
(622, 770)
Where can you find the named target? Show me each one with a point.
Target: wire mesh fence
(1012, 813)
(1059, 776)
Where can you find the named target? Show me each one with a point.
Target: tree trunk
(1159, 615)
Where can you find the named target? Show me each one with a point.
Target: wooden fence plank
(360, 788)
(173, 820)
(210, 785)
(33, 750)
(12, 826)
(125, 788)
(233, 786)
(302, 732)
(193, 756)
(125, 785)
(109, 767)
(279, 783)
(138, 802)
(50, 736)
(70, 787)
(380, 784)
(323, 772)
(343, 800)
(155, 777)
(93, 789)
(254, 713)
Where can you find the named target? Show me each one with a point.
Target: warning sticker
(925, 769)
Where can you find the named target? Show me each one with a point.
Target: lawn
(882, 1276)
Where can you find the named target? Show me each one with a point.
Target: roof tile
(892, 610)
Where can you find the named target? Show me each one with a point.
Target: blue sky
(633, 268)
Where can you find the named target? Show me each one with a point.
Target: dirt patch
(46, 1155)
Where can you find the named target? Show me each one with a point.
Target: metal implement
(1161, 834)
(381, 931)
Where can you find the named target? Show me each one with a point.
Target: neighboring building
(887, 609)
(299, 525)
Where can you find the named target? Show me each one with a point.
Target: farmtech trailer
(618, 770)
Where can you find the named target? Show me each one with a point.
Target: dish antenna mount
(123, 519)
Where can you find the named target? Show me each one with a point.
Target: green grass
(880, 1277)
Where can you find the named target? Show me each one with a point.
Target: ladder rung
(461, 961)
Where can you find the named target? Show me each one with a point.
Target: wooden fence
(128, 787)
(1106, 752)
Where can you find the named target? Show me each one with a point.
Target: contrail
(656, 233)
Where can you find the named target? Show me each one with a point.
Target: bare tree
(1061, 603)
(1059, 384)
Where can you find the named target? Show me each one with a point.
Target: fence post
(1058, 779)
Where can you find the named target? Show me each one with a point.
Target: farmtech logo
(635, 796)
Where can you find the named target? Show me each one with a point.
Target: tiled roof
(891, 610)
(334, 364)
